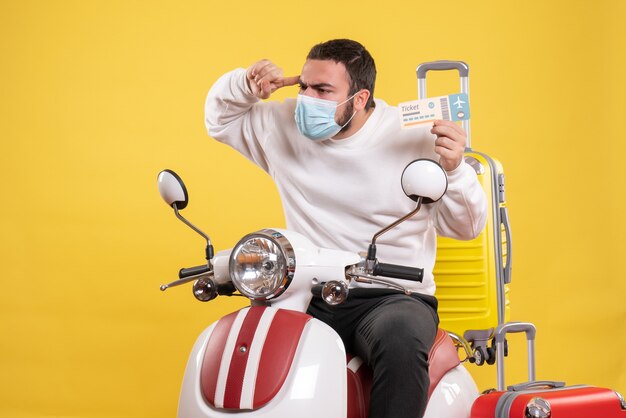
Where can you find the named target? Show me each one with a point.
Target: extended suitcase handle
(444, 65)
(500, 335)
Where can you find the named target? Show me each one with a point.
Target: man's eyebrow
(315, 86)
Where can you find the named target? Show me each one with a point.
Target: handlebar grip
(192, 271)
(397, 271)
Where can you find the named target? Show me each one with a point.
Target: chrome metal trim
(207, 275)
(358, 275)
(288, 253)
(204, 290)
(538, 408)
(335, 292)
(460, 342)
(196, 229)
(621, 399)
(402, 219)
(189, 224)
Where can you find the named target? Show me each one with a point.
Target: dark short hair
(358, 62)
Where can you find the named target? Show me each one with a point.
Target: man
(336, 155)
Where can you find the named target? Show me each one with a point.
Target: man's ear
(360, 100)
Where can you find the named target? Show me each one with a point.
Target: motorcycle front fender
(315, 384)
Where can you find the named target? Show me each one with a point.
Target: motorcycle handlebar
(193, 271)
(397, 271)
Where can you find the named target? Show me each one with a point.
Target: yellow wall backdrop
(97, 96)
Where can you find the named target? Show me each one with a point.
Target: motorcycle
(271, 359)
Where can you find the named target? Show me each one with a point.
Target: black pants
(393, 334)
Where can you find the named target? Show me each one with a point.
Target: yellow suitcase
(473, 277)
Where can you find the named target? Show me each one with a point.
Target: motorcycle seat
(442, 358)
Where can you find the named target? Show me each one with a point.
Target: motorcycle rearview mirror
(172, 189)
(423, 181)
(174, 193)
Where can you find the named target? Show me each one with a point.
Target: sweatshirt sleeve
(462, 211)
(234, 116)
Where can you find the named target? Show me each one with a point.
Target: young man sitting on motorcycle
(336, 154)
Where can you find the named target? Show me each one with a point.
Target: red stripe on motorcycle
(236, 371)
(213, 356)
(278, 353)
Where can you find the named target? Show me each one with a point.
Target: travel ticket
(454, 107)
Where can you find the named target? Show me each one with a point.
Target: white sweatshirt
(339, 193)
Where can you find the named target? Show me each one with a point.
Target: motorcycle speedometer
(262, 264)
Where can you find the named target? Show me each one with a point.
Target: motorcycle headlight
(262, 264)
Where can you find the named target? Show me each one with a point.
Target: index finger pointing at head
(287, 81)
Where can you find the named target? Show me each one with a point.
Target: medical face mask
(315, 118)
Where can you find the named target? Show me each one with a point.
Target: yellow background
(98, 96)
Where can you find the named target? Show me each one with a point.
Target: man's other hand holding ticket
(450, 143)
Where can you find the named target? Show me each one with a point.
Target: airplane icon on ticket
(459, 103)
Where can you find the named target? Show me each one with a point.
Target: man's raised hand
(264, 78)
